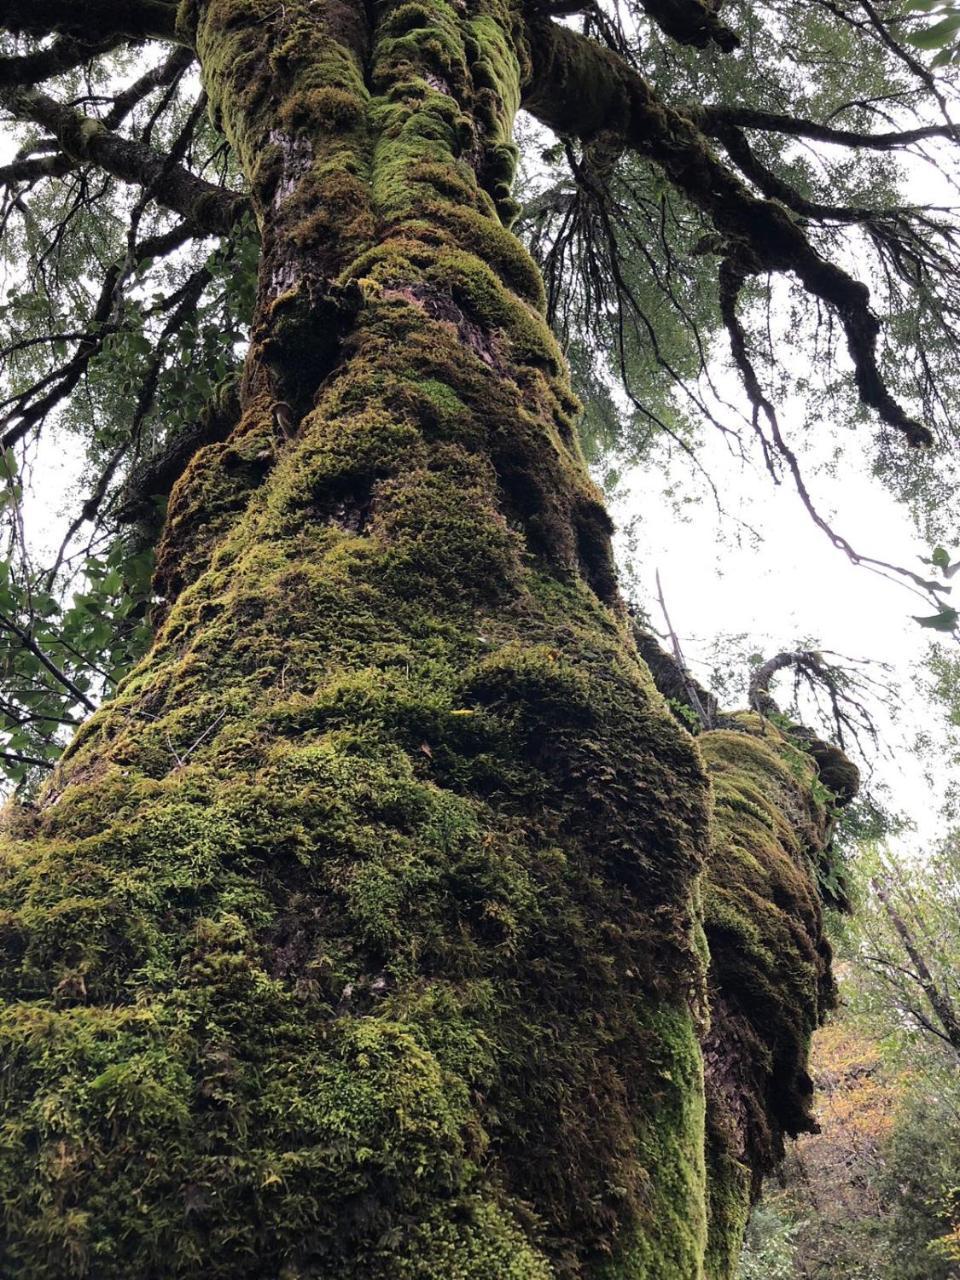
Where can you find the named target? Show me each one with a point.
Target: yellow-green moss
(729, 1184)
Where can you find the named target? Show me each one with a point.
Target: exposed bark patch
(440, 305)
(734, 1086)
(352, 516)
(296, 153)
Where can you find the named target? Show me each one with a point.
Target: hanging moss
(770, 978)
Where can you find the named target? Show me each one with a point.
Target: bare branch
(16, 757)
(28, 642)
(691, 22)
(937, 998)
(63, 55)
(713, 120)
(167, 72)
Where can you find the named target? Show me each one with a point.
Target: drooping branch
(731, 281)
(579, 89)
(713, 120)
(94, 19)
(179, 315)
(209, 208)
(759, 696)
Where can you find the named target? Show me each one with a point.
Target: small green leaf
(940, 558)
(945, 620)
(937, 35)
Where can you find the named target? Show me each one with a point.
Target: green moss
(729, 1182)
(215, 486)
(357, 935)
(770, 979)
(670, 1237)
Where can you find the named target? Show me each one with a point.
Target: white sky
(791, 586)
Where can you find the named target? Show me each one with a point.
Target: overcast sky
(790, 586)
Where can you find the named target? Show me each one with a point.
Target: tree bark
(358, 935)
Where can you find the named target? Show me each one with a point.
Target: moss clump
(770, 978)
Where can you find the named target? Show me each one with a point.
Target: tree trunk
(358, 935)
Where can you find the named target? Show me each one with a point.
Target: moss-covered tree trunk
(358, 935)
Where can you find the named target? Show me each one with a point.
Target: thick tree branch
(34, 168)
(209, 208)
(580, 90)
(63, 55)
(774, 188)
(691, 22)
(93, 19)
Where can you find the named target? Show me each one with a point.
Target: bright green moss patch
(670, 1236)
(729, 1183)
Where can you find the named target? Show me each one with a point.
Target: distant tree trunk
(358, 936)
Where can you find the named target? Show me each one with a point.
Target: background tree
(872, 1195)
(906, 947)
(361, 931)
